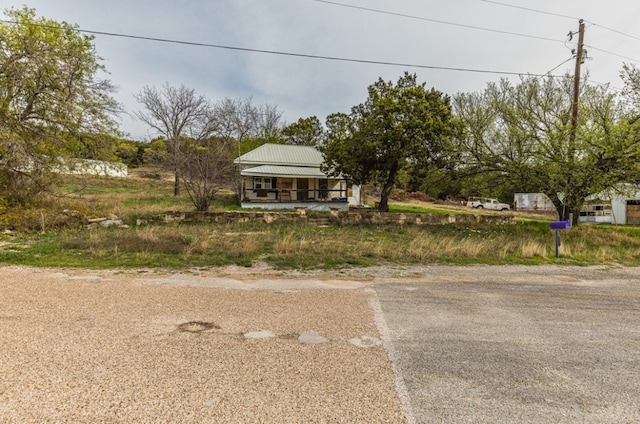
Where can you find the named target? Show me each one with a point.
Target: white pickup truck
(487, 203)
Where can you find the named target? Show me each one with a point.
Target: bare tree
(202, 139)
(239, 120)
(177, 114)
(269, 125)
(205, 165)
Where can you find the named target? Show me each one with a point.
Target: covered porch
(287, 187)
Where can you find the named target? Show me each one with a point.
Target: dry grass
(410, 244)
(307, 246)
(284, 245)
(532, 249)
(427, 246)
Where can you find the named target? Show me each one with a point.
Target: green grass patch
(428, 208)
(54, 235)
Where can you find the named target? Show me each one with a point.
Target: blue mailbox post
(559, 225)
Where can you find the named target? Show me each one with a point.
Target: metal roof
(284, 171)
(282, 154)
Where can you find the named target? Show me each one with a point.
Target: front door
(303, 189)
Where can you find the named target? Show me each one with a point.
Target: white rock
(111, 223)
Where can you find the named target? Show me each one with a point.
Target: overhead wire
(556, 67)
(386, 12)
(438, 21)
(612, 53)
(530, 9)
(562, 16)
(617, 32)
(281, 53)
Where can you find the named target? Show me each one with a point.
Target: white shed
(619, 206)
(615, 206)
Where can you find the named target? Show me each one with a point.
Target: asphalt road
(515, 344)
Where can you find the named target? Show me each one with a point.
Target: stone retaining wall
(347, 218)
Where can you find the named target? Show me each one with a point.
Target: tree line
(509, 137)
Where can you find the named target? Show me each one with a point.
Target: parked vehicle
(487, 203)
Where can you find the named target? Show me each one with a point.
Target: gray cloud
(303, 86)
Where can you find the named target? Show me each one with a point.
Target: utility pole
(571, 152)
(576, 83)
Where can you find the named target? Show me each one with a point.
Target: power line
(616, 31)
(280, 53)
(386, 12)
(607, 85)
(548, 73)
(560, 15)
(556, 67)
(530, 9)
(612, 53)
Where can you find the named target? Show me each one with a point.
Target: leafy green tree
(399, 125)
(132, 152)
(522, 134)
(52, 104)
(630, 74)
(304, 132)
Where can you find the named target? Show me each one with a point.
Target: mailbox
(560, 225)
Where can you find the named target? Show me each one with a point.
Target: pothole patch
(197, 326)
(262, 334)
(365, 342)
(311, 337)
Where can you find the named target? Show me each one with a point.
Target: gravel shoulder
(228, 345)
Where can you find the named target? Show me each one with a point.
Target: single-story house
(282, 176)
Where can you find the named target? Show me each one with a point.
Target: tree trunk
(176, 184)
(383, 205)
(569, 209)
(573, 210)
(557, 203)
(202, 205)
(576, 216)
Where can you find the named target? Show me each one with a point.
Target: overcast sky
(512, 40)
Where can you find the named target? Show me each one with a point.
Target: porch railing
(281, 195)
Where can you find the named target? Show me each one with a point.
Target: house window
(262, 183)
